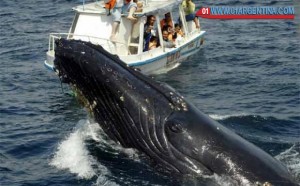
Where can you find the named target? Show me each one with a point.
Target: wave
(271, 124)
(223, 117)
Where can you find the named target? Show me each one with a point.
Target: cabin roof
(153, 7)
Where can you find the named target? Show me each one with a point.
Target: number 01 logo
(205, 11)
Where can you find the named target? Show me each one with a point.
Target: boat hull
(154, 61)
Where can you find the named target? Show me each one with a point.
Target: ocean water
(247, 77)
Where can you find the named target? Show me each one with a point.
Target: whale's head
(138, 112)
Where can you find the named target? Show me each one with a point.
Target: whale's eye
(176, 127)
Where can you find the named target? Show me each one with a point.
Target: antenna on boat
(83, 4)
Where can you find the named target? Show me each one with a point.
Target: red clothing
(163, 23)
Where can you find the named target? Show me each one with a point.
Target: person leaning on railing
(189, 10)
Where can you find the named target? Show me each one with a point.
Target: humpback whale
(138, 112)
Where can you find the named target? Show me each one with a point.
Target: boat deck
(98, 7)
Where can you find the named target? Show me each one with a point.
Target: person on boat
(179, 33)
(130, 7)
(167, 43)
(139, 5)
(167, 21)
(172, 34)
(178, 30)
(149, 31)
(116, 12)
(189, 10)
(153, 43)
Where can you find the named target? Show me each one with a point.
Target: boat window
(168, 32)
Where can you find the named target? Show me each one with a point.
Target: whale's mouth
(82, 49)
(200, 169)
(191, 159)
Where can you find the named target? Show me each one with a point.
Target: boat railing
(111, 47)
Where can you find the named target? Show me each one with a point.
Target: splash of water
(291, 158)
(73, 155)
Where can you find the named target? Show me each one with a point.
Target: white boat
(91, 23)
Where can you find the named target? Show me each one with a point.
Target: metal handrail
(54, 36)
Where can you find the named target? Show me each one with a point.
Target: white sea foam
(291, 158)
(224, 180)
(236, 172)
(73, 155)
(222, 117)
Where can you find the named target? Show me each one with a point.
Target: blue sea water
(247, 77)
